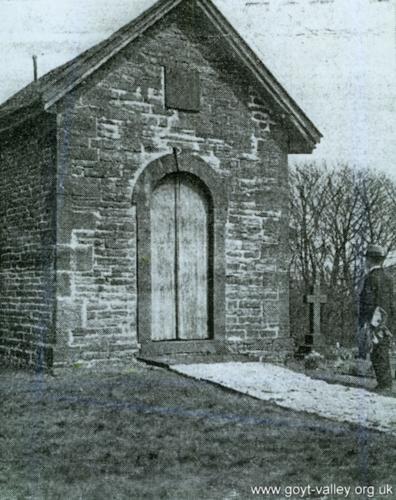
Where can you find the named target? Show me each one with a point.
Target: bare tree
(378, 196)
(335, 212)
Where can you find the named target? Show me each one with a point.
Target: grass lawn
(149, 433)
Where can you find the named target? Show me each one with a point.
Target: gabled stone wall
(114, 125)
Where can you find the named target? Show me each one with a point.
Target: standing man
(377, 293)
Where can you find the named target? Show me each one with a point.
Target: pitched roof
(53, 86)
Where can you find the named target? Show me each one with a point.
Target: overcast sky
(337, 58)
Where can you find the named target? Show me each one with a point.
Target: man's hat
(375, 251)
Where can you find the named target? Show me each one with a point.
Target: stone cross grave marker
(315, 301)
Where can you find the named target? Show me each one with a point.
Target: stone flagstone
(296, 391)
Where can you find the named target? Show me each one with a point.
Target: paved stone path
(297, 391)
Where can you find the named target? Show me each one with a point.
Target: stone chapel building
(144, 198)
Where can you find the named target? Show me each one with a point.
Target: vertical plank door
(193, 261)
(179, 260)
(163, 289)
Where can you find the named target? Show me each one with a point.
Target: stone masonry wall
(114, 125)
(27, 240)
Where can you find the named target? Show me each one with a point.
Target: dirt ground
(149, 433)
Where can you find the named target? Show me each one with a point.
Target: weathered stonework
(83, 230)
(27, 242)
(109, 131)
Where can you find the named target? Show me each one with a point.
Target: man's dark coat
(377, 292)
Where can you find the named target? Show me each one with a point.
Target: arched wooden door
(181, 264)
